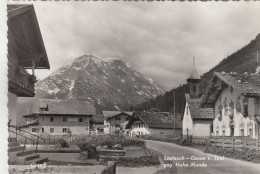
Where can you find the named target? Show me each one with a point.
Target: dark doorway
(231, 130)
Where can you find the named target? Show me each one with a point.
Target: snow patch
(99, 101)
(54, 91)
(140, 92)
(117, 108)
(150, 80)
(123, 81)
(77, 68)
(136, 74)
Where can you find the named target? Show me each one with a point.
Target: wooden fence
(235, 142)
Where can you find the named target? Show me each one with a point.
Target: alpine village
(106, 117)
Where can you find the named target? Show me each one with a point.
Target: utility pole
(174, 111)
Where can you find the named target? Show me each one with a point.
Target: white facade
(106, 127)
(117, 122)
(139, 129)
(187, 122)
(197, 128)
(242, 125)
(57, 130)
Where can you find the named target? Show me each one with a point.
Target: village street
(226, 166)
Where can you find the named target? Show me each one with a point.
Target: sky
(159, 39)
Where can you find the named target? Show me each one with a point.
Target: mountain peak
(109, 82)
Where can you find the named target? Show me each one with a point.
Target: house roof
(157, 120)
(248, 84)
(98, 118)
(25, 37)
(196, 111)
(59, 107)
(109, 114)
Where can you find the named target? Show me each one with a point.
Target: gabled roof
(248, 84)
(25, 37)
(59, 107)
(196, 111)
(156, 120)
(109, 114)
(98, 119)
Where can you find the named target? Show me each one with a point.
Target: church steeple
(193, 81)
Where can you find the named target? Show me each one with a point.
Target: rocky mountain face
(109, 83)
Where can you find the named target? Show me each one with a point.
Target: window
(44, 107)
(187, 110)
(42, 119)
(36, 130)
(42, 129)
(211, 128)
(250, 132)
(245, 110)
(51, 119)
(241, 132)
(223, 132)
(51, 130)
(64, 130)
(80, 119)
(65, 119)
(217, 133)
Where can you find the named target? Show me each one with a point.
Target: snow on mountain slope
(110, 83)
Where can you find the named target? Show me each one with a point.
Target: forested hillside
(243, 60)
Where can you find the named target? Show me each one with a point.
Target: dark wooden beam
(29, 57)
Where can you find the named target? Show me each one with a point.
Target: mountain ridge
(110, 83)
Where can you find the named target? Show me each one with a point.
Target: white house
(236, 101)
(58, 116)
(197, 121)
(158, 123)
(114, 120)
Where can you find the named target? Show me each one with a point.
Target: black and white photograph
(130, 87)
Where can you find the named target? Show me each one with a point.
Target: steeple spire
(194, 74)
(193, 81)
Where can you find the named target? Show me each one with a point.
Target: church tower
(193, 82)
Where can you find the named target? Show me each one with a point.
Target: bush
(110, 141)
(62, 143)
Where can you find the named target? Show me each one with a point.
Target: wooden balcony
(20, 82)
